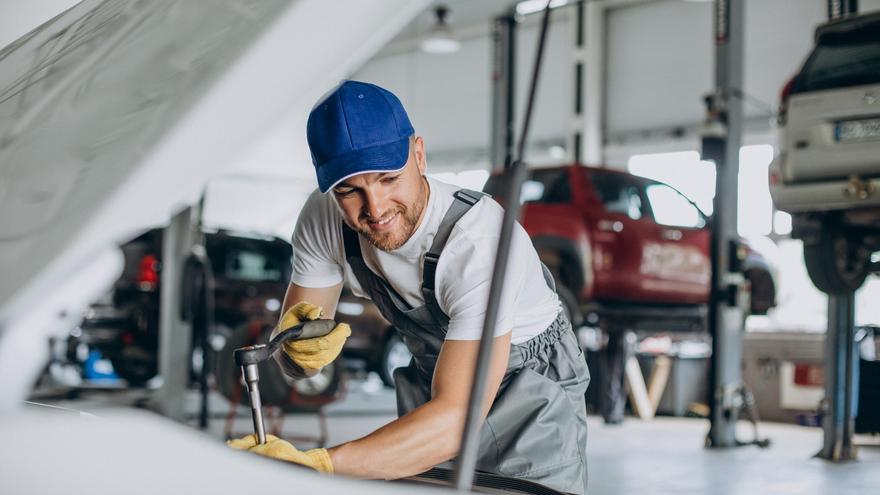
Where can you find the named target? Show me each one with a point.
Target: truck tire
(394, 354)
(837, 261)
(569, 305)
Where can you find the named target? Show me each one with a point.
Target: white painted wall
(658, 64)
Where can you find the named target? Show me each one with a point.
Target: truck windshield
(541, 186)
(842, 60)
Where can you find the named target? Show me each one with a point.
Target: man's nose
(375, 203)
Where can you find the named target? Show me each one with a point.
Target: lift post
(175, 334)
(503, 80)
(841, 359)
(725, 316)
(841, 356)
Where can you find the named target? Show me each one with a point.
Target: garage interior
(153, 164)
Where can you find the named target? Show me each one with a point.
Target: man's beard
(407, 221)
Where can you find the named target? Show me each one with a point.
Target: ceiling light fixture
(527, 7)
(440, 39)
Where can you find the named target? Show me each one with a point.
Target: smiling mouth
(383, 224)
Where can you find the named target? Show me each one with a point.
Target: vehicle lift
(721, 140)
(186, 313)
(841, 352)
(721, 144)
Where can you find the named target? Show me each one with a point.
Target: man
(424, 251)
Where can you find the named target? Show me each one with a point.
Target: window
(252, 266)
(841, 60)
(619, 194)
(542, 186)
(468, 179)
(695, 179)
(682, 170)
(672, 209)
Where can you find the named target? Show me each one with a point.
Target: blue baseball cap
(357, 128)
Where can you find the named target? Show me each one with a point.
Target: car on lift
(827, 171)
(627, 247)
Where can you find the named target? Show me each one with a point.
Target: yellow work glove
(315, 353)
(276, 448)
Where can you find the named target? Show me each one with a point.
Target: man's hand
(276, 448)
(315, 353)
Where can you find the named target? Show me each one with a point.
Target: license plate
(857, 130)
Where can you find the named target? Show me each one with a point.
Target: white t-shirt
(464, 271)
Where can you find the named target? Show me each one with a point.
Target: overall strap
(351, 243)
(464, 200)
(365, 276)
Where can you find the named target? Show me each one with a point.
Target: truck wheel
(569, 305)
(837, 261)
(395, 355)
(135, 365)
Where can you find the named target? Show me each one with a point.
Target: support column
(175, 335)
(725, 316)
(503, 71)
(841, 353)
(584, 140)
(841, 358)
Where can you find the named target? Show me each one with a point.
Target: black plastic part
(737, 256)
(837, 262)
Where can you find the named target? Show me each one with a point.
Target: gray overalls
(536, 428)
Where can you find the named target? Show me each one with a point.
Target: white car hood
(135, 452)
(115, 113)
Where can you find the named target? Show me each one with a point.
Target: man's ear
(419, 152)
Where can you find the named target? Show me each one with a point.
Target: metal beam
(726, 317)
(841, 355)
(503, 85)
(584, 141)
(175, 334)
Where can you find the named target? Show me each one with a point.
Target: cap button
(361, 96)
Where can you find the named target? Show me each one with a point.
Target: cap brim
(389, 157)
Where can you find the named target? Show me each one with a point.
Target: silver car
(827, 173)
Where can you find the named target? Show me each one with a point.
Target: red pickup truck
(626, 247)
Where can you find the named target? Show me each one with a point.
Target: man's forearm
(430, 434)
(405, 447)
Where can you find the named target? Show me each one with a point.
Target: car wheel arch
(556, 252)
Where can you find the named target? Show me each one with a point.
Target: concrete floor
(665, 455)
